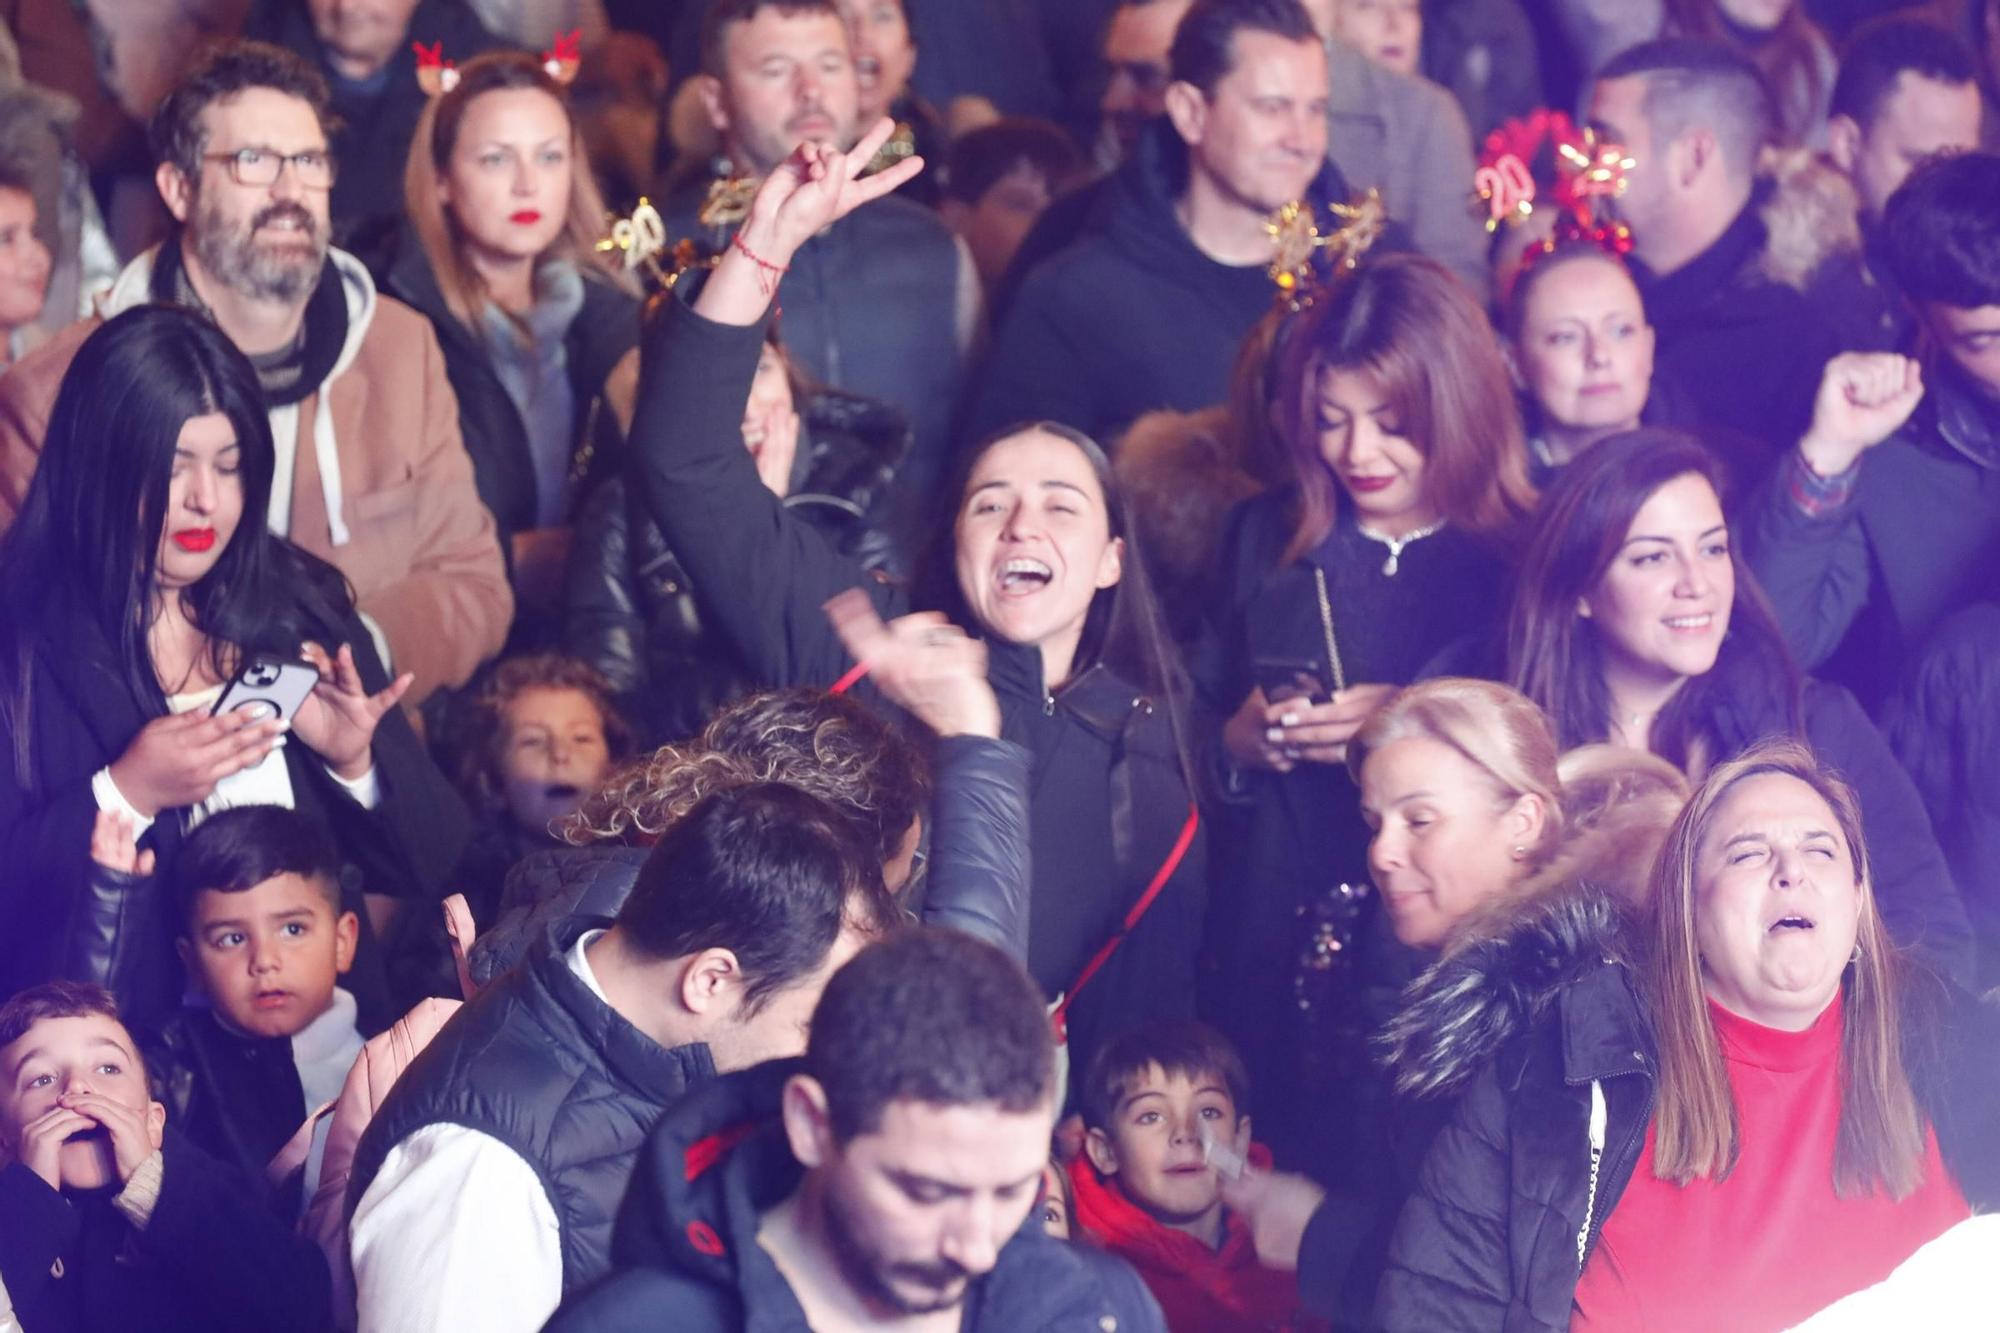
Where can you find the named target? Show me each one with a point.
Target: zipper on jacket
(1624, 1145)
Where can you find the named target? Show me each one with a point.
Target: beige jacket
(380, 482)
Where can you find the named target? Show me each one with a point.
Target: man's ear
(176, 191)
(1691, 154)
(709, 89)
(711, 983)
(1187, 108)
(346, 933)
(1097, 1147)
(1843, 142)
(808, 1127)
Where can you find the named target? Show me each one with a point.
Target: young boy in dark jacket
(1162, 1116)
(265, 942)
(108, 1222)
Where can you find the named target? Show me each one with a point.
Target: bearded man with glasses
(372, 474)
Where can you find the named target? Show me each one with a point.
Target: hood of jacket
(549, 886)
(1810, 214)
(1471, 1002)
(135, 287)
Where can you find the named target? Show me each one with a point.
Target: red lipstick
(195, 540)
(525, 217)
(1369, 485)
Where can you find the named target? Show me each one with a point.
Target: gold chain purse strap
(1326, 627)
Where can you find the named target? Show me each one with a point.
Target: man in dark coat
(891, 1176)
(484, 1188)
(1748, 345)
(1147, 309)
(370, 65)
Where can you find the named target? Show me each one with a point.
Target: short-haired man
(485, 1187)
(365, 50)
(885, 302)
(886, 1182)
(1908, 91)
(1402, 135)
(1147, 309)
(1695, 116)
(1879, 540)
(1002, 176)
(372, 474)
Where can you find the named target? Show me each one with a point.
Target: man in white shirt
(485, 1187)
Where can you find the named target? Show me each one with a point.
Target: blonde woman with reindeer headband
(539, 331)
(1403, 477)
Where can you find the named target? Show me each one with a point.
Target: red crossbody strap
(850, 680)
(1097, 960)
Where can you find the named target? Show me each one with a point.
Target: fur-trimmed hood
(1810, 214)
(1493, 986)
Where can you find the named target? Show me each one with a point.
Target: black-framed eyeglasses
(263, 166)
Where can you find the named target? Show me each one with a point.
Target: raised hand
(177, 760)
(1864, 398)
(922, 662)
(114, 844)
(338, 719)
(1277, 1206)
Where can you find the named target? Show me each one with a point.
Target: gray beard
(232, 256)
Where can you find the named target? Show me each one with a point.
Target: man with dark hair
(1000, 178)
(371, 475)
(1908, 91)
(886, 1182)
(366, 53)
(1695, 116)
(109, 1220)
(485, 1186)
(885, 302)
(1147, 309)
(1879, 540)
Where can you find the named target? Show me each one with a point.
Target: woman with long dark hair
(139, 579)
(1403, 477)
(1034, 559)
(1634, 621)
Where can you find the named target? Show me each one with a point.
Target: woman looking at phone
(136, 585)
(1407, 476)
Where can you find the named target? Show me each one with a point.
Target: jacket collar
(1674, 298)
(1964, 420)
(659, 1074)
(1603, 1033)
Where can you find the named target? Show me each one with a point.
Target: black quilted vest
(544, 1066)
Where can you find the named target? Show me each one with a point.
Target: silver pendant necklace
(1396, 544)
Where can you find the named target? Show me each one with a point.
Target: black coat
(213, 1256)
(236, 1097)
(630, 611)
(1132, 317)
(66, 920)
(1495, 1235)
(373, 141)
(687, 1255)
(1107, 799)
(539, 1063)
(604, 330)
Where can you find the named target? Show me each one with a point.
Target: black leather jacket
(630, 611)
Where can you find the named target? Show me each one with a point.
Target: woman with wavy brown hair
(1402, 483)
(1758, 1090)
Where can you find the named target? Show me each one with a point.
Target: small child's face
(1153, 1145)
(270, 956)
(553, 754)
(1054, 1210)
(61, 1064)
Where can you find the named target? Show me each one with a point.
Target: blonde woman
(1764, 1095)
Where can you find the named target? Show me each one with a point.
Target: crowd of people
(1064, 665)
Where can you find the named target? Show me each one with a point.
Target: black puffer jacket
(541, 1064)
(978, 879)
(686, 1248)
(630, 611)
(1529, 1025)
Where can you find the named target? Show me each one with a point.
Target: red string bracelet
(767, 272)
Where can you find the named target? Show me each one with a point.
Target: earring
(1520, 853)
(1854, 957)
